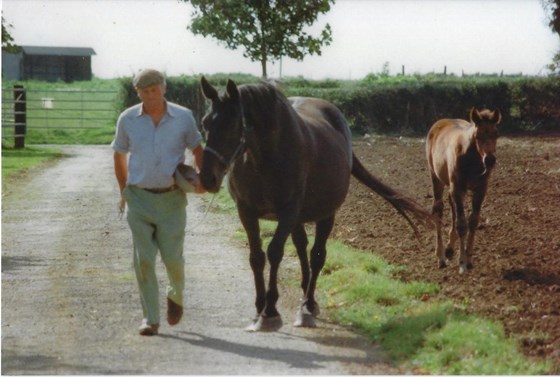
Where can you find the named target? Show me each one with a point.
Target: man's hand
(198, 187)
(122, 206)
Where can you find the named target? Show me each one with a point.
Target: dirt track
(70, 303)
(516, 278)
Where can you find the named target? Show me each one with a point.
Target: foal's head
(486, 134)
(223, 128)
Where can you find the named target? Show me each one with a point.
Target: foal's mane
(486, 114)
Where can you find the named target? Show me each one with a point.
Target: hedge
(402, 104)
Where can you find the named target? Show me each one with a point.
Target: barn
(48, 64)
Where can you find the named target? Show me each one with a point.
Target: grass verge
(416, 326)
(16, 162)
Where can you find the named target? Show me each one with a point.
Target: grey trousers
(157, 222)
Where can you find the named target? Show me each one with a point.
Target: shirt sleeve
(193, 137)
(120, 142)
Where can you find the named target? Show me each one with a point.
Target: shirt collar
(168, 109)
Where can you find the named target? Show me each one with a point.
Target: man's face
(151, 96)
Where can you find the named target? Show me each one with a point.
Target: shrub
(401, 104)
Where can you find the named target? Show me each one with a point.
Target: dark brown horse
(289, 160)
(461, 155)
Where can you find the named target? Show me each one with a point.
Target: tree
(8, 44)
(553, 7)
(266, 29)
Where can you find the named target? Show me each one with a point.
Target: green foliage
(376, 104)
(267, 30)
(409, 104)
(8, 43)
(405, 104)
(552, 9)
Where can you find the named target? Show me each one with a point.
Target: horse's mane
(261, 101)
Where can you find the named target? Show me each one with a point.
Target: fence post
(20, 116)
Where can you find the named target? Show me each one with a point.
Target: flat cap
(148, 77)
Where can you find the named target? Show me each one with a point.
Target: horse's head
(223, 128)
(486, 135)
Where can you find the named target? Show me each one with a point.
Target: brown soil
(516, 278)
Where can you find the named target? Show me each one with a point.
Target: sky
(470, 36)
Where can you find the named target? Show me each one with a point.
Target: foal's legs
(309, 308)
(457, 197)
(453, 235)
(477, 199)
(437, 209)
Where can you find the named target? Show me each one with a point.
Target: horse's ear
(232, 90)
(208, 90)
(475, 116)
(496, 116)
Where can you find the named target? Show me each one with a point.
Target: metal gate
(61, 109)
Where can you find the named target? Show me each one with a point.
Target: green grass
(416, 326)
(17, 161)
(92, 107)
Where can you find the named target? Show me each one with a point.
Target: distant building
(48, 64)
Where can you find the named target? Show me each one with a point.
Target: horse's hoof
(304, 318)
(266, 324)
(463, 268)
(316, 311)
(442, 264)
(470, 266)
(449, 253)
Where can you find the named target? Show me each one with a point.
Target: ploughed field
(516, 275)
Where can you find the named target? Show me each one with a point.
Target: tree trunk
(263, 66)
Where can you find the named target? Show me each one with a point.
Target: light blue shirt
(154, 151)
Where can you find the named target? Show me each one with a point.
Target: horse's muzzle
(489, 161)
(210, 182)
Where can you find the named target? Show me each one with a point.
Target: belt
(161, 190)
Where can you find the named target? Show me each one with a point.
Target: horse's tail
(404, 205)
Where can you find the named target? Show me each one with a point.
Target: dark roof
(59, 51)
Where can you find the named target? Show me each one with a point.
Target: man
(150, 141)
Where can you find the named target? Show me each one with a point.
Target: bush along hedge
(402, 104)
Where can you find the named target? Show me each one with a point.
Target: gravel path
(70, 303)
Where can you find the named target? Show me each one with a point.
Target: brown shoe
(174, 312)
(148, 329)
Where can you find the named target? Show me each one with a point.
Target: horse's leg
(269, 319)
(309, 308)
(257, 258)
(457, 197)
(477, 199)
(437, 209)
(299, 237)
(453, 236)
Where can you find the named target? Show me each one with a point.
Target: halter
(241, 147)
(238, 152)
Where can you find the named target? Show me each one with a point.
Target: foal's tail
(404, 205)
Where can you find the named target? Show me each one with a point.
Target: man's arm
(197, 153)
(121, 169)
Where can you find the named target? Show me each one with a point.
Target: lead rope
(203, 216)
